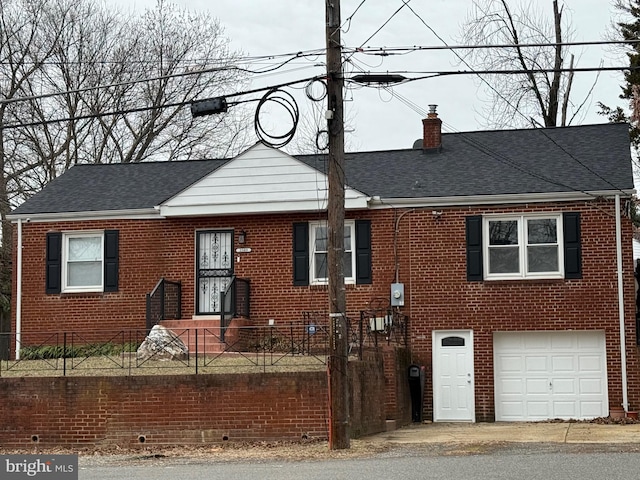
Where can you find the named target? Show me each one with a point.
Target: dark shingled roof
(567, 159)
(587, 158)
(121, 186)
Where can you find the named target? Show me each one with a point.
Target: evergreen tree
(629, 30)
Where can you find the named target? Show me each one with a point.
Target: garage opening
(547, 375)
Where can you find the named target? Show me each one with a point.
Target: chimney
(432, 127)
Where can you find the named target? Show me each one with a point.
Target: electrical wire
(286, 100)
(156, 107)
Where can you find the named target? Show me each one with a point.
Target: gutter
(133, 214)
(502, 199)
(623, 344)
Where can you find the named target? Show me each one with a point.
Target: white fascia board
(496, 199)
(256, 208)
(138, 214)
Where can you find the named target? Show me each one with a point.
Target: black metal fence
(164, 302)
(289, 346)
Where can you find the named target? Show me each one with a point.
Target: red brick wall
(430, 254)
(440, 297)
(184, 409)
(165, 409)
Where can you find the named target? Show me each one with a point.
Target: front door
(453, 385)
(214, 261)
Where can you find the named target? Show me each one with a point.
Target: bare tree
(540, 96)
(26, 44)
(82, 83)
(129, 82)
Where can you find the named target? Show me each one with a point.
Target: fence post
(148, 313)
(196, 357)
(64, 354)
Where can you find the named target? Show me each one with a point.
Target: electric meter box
(397, 294)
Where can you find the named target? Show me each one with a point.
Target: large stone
(162, 344)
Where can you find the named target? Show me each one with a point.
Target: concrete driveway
(537, 432)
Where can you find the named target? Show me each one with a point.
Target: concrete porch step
(208, 334)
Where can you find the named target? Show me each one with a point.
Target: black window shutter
(53, 265)
(363, 251)
(111, 245)
(301, 253)
(572, 248)
(474, 248)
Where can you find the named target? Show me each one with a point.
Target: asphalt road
(510, 462)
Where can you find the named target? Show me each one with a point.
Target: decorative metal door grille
(214, 268)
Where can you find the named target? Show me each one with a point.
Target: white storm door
(453, 385)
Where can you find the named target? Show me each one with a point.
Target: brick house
(510, 251)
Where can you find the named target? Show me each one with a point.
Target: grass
(127, 364)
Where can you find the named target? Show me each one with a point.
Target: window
(319, 241)
(523, 246)
(82, 262)
(310, 243)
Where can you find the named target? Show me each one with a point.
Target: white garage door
(543, 375)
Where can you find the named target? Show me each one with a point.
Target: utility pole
(338, 339)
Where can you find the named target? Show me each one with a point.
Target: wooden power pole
(338, 343)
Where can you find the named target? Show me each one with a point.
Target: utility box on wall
(397, 294)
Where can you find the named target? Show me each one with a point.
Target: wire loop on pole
(285, 100)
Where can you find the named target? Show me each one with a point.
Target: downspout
(19, 291)
(623, 344)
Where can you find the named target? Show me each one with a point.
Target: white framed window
(523, 246)
(83, 262)
(319, 244)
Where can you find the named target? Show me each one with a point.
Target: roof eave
(458, 201)
(134, 214)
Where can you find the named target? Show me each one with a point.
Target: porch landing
(204, 334)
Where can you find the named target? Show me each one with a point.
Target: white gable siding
(260, 180)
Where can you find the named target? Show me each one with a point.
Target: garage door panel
(553, 374)
(536, 363)
(560, 343)
(513, 410)
(535, 341)
(565, 386)
(591, 409)
(565, 409)
(563, 363)
(509, 386)
(586, 342)
(536, 386)
(591, 386)
(591, 363)
(511, 364)
(538, 410)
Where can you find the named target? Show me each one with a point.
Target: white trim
(522, 246)
(66, 236)
(469, 200)
(135, 214)
(312, 264)
(285, 206)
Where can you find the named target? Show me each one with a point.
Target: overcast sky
(377, 120)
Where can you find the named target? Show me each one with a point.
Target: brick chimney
(432, 127)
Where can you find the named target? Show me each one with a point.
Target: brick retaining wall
(183, 409)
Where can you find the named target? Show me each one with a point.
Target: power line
(157, 107)
(386, 51)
